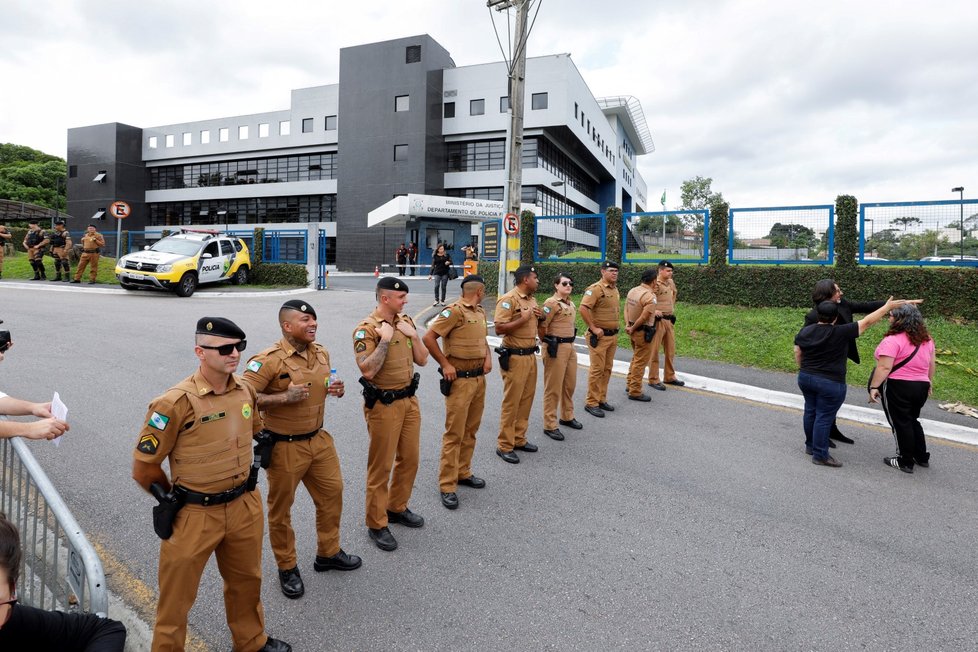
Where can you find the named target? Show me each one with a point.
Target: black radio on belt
(5, 340)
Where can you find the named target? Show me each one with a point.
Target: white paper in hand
(60, 411)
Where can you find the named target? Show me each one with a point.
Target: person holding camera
(209, 504)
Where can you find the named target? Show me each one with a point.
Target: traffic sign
(511, 224)
(120, 210)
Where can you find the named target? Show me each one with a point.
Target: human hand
(296, 393)
(658, 314)
(405, 327)
(336, 388)
(42, 410)
(449, 371)
(487, 366)
(45, 429)
(874, 396)
(538, 312)
(386, 332)
(429, 278)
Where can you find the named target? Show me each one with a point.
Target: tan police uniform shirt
(463, 330)
(272, 370)
(638, 299)
(603, 299)
(92, 241)
(559, 317)
(665, 296)
(206, 436)
(511, 307)
(398, 369)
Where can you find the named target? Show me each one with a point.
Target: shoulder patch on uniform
(447, 312)
(254, 365)
(587, 293)
(246, 411)
(148, 444)
(360, 347)
(158, 421)
(360, 334)
(506, 305)
(546, 309)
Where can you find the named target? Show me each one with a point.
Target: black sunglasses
(226, 349)
(566, 283)
(11, 602)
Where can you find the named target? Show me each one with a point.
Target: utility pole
(512, 193)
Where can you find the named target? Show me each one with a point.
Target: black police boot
(275, 645)
(56, 279)
(37, 272)
(40, 267)
(291, 582)
(67, 277)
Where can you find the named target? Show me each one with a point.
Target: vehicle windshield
(176, 246)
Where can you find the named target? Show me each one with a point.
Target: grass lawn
(17, 267)
(764, 338)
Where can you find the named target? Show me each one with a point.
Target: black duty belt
(530, 351)
(471, 373)
(196, 498)
(565, 340)
(89, 251)
(610, 331)
(303, 437)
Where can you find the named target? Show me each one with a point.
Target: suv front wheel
(187, 285)
(240, 277)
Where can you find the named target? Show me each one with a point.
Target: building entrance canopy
(398, 211)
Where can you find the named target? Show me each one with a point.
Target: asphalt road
(693, 522)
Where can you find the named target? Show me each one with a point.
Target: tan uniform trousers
(519, 386)
(641, 353)
(665, 336)
(602, 359)
(395, 435)
(559, 382)
(314, 463)
(35, 254)
(84, 261)
(233, 532)
(463, 416)
(61, 253)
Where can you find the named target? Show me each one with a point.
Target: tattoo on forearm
(372, 363)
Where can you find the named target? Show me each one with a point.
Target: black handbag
(869, 381)
(452, 272)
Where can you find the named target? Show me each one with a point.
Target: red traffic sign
(120, 210)
(511, 224)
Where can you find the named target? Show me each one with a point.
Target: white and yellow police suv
(182, 261)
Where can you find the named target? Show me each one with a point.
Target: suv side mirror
(145, 247)
(206, 256)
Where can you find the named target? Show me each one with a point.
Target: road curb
(117, 290)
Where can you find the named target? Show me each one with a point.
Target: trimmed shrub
(280, 274)
(846, 232)
(527, 228)
(613, 229)
(719, 232)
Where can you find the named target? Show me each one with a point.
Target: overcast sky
(782, 103)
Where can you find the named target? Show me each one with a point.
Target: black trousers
(902, 400)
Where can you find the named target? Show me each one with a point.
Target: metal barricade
(59, 567)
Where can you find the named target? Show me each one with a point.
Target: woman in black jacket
(440, 263)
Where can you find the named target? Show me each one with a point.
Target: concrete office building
(403, 119)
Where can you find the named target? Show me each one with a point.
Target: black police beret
(472, 278)
(525, 269)
(665, 263)
(301, 306)
(609, 264)
(219, 327)
(392, 283)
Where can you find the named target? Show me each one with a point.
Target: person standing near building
(640, 324)
(413, 258)
(470, 266)
(60, 241)
(92, 243)
(5, 237)
(463, 365)
(293, 380)
(557, 332)
(516, 319)
(440, 263)
(600, 310)
(387, 346)
(209, 504)
(401, 258)
(35, 242)
(665, 335)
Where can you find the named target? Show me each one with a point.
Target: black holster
(503, 357)
(370, 394)
(166, 511)
(671, 318)
(264, 443)
(552, 345)
(593, 340)
(444, 384)
(252, 482)
(649, 333)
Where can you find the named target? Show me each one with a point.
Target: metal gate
(322, 275)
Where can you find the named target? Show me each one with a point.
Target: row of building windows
(550, 203)
(244, 133)
(305, 167)
(254, 210)
(538, 101)
(595, 137)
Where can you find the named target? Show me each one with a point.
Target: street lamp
(960, 190)
(559, 184)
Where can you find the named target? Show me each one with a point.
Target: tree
(905, 221)
(697, 194)
(786, 236)
(30, 176)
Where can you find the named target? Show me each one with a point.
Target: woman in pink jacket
(903, 392)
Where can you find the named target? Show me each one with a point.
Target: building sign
(454, 207)
(490, 240)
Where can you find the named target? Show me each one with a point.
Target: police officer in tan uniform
(557, 334)
(204, 425)
(640, 326)
(516, 319)
(92, 243)
(387, 346)
(35, 242)
(463, 365)
(600, 310)
(5, 237)
(60, 241)
(292, 378)
(665, 336)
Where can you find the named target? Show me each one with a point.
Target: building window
(276, 169)
(263, 130)
(582, 118)
(224, 134)
(412, 54)
(477, 107)
(72, 171)
(307, 125)
(402, 103)
(504, 104)
(153, 142)
(205, 137)
(169, 140)
(476, 156)
(400, 152)
(243, 132)
(284, 128)
(539, 101)
(575, 110)
(449, 109)
(187, 139)
(100, 177)
(331, 123)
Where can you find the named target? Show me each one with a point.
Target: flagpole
(663, 218)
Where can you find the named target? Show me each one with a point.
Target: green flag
(663, 200)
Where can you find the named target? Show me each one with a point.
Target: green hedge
(280, 274)
(949, 292)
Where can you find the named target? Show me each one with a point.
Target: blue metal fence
(778, 235)
(286, 247)
(322, 274)
(677, 236)
(926, 233)
(570, 238)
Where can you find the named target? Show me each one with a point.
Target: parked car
(185, 260)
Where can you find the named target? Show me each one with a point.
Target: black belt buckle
(387, 396)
